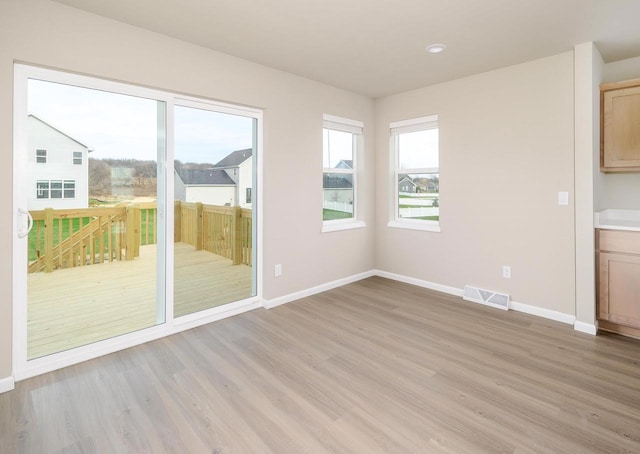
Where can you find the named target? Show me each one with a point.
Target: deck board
(77, 306)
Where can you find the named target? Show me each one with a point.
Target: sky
(419, 149)
(125, 127)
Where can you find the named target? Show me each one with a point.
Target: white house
(58, 168)
(228, 183)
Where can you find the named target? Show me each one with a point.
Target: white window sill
(334, 226)
(428, 226)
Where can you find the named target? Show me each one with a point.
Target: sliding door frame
(23, 368)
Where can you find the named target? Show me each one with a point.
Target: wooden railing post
(199, 226)
(48, 240)
(131, 232)
(177, 221)
(236, 240)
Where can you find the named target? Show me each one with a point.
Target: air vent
(486, 297)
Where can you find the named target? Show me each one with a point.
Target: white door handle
(24, 232)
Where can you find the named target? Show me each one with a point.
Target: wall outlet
(506, 272)
(278, 270)
(563, 198)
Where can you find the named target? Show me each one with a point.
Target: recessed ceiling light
(435, 48)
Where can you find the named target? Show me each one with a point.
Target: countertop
(618, 219)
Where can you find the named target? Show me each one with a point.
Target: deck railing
(80, 237)
(225, 231)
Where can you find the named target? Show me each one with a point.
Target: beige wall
(506, 149)
(588, 67)
(49, 34)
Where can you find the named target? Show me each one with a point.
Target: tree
(99, 178)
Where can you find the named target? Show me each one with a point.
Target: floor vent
(486, 297)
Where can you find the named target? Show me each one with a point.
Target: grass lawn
(330, 215)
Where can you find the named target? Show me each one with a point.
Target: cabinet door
(621, 130)
(619, 289)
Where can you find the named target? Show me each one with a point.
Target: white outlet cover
(563, 198)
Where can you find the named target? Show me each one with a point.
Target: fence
(225, 231)
(80, 237)
(416, 212)
(338, 206)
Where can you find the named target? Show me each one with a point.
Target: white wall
(59, 166)
(620, 190)
(211, 195)
(245, 181)
(506, 150)
(46, 33)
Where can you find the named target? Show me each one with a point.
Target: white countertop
(618, 219)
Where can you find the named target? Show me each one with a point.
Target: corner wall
(506, 150)
(588, 74)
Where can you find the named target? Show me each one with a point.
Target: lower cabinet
(618, 280)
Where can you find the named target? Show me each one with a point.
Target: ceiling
(376, 47)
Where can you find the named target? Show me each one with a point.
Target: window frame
(77, 158)
(395, 129)
(356, 129)
(62, 187)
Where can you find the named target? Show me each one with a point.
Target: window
(341, 141)
(77, 158)
(41, 156)
(248, 196)
(416, 178)
(42, 189)
(55, 189)
(69, 189)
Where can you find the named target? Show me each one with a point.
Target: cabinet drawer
(619, 241)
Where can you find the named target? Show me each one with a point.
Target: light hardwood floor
(373, 367)
(77, 306)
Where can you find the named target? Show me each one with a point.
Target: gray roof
(335, 182)
(205, 176)
(345, 164)
(235, 158)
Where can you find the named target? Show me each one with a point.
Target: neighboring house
(239, 166)
(208, 186)
(337, 188)
(406, 184)
(345, 164)
(58, 168)
(229, 182)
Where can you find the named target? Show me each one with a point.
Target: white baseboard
(270, 304)
(420, 283)
(519, 307)
(7, 384)
(542, 312)
(586, 328)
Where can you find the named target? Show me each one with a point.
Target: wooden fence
(70, 238)
(225, 231)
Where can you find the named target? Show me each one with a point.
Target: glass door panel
(214, 223)
(95, 173)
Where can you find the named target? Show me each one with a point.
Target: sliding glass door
(214, 175)
(133, 208)
(93, 161)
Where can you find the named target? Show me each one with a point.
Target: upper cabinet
(620, 126)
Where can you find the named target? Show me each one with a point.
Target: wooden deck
(76, 306)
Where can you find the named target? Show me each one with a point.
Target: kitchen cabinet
(620, 126)
(618, 262)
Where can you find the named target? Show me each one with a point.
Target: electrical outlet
(278, 270)
(506, 272)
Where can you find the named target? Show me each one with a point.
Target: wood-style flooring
(372, 367)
